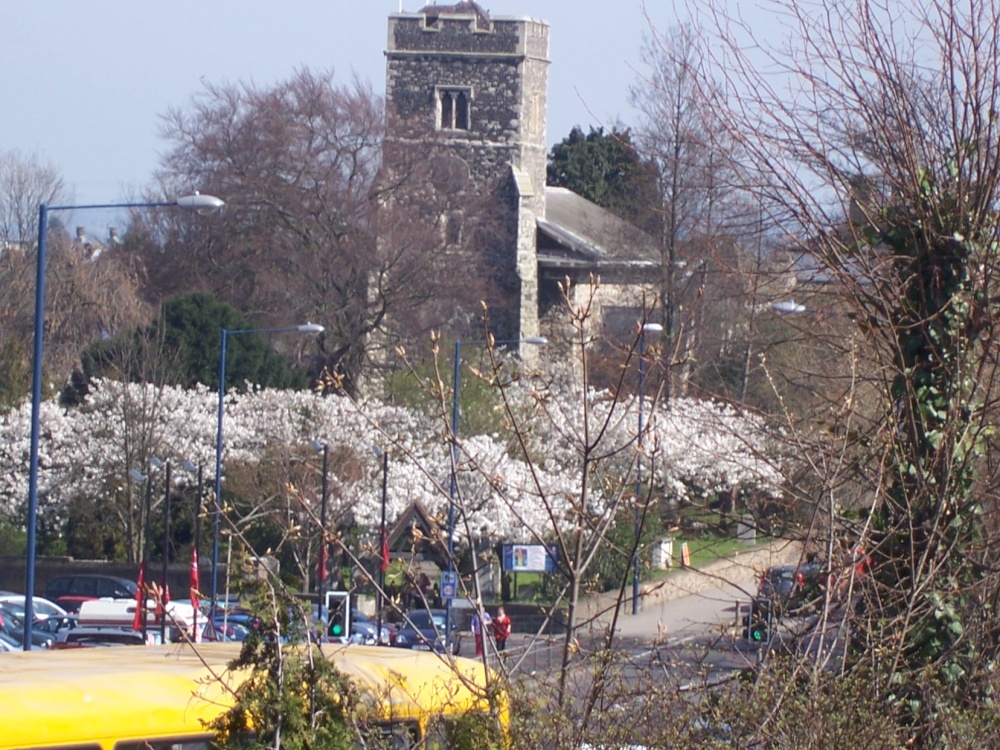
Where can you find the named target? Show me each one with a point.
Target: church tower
(476, 87)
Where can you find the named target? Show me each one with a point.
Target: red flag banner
(194, 578)
(321, 572)
(140, 599)
(194, 585)
(384, 564)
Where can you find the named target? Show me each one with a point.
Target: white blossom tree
(87, 451)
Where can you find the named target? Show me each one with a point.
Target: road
(680, 620)
(690, 619)
(695, 634)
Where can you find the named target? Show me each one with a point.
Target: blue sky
(84, 83)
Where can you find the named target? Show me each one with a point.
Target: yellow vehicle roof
(134, 692)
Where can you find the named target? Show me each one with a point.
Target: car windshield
(426, 620)
(40, 607)
(14, 608)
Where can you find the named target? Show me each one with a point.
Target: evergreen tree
(183, 348)
(606, 168)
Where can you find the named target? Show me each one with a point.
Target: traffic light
(759, 621)
(338, 609)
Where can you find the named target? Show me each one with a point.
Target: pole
(36, 407)
(643, 330)
(638, 477)
(147, 530)
(217, 510)
(304, 328)
(453, 488)
(197, 540)
(197, 202)
(380, 594)
(166, 555)
(321, 573)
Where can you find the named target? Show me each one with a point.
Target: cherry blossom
(515, 485)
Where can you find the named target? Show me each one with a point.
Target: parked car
(89, 637)
(57, 623)
(40, 608)
(424, 630)
(789, 587)
(233, 626)
(12, 626)
(367, 628)
(70, 591)
(49, 617)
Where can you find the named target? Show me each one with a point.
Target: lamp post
(653, 328)
(157, 464)
(191, 468)
(217, 510)
(383, 542)
(203, 204)
(321, 566)
(453, 488)
(138, 476)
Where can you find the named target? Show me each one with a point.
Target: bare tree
(871, 137)
(703, 224)
(310, 230)
(90, 295)
(25, 183)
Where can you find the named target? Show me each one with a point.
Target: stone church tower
(475, 85)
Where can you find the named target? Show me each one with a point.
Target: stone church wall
(502, 65)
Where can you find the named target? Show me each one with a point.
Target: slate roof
(576, 233)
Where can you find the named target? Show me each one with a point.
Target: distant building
(90, 248)
(477, 87)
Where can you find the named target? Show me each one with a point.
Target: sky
(85, 84)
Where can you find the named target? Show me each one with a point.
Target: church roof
(578, 233)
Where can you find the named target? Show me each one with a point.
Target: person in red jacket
(480, 628)
(501, 629)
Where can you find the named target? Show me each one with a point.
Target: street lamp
(203, 204)
(789, 307)
(226, 333)
(321, 566)
(652, 328)
(453, 490)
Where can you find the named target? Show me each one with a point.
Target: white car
(120, 613)
(41, 608)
